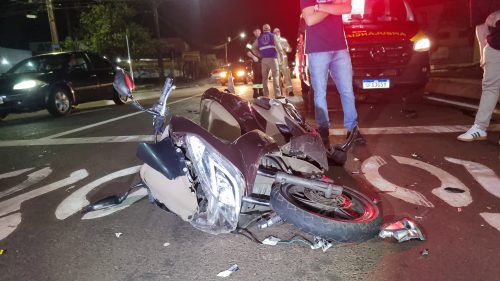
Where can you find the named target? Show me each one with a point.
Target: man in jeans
(487, 23)
(326, 50)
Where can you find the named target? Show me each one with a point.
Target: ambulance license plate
(376, 84)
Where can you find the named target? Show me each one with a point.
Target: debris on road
(415, 155)
(402, 230)
(118, 234)
(425, 252)
(318, 242)
(459, 210)
(2, 251)
(166, 244)
(454, 190)
(228, 271)
(267, 222)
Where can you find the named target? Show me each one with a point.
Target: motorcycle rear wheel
(350, 217)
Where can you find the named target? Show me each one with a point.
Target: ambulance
(389, 51)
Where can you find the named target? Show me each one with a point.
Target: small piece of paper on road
(166, 244)
(118, 234)
(229, 271)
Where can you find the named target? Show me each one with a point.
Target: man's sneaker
(474, 133)
(291, 94)
(325, 135)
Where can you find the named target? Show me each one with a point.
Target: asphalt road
(49, 165)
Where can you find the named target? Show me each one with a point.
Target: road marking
(66, 141)
(14, 204)
(33, 178)
(485, 176)
(447, 180)
(492, 219)
(15, 173)
(78, 199)
(10, 220)
(370, 168)
(8, 224)
(414, 130)
(462, 104)
(107, 121)
(142, 138)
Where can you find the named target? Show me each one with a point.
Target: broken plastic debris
(318, 242)
(166, 244)
(415, 155)
(2, 251)
(228, 271)
(355, 159)
(425, 252)
(459, 210)
(454, 190)
(118, 234)
(402, 230)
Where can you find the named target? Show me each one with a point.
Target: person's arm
(312, 17)
(252, 56)
(335, 8)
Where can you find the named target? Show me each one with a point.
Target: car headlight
(27, 84)
(422, 45)
(222, 184)
(223, 74)
(240, 73)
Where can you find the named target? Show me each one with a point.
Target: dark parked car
(56, 82)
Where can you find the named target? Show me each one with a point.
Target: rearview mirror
(123, 83)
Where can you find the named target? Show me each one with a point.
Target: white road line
(32, 179)
(414, 130)
(462, 104)
(66, 141)
(336, 132)
(107, 121)
(15, 173)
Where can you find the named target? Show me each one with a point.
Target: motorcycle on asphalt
(211, 183)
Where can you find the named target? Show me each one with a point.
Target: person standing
(268, 48)
(256, 66)
(327, 52)
(283, 61)
(485, 16)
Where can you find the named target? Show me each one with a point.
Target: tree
(103, 28)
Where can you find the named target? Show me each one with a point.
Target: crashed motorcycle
(210, 182)
(228, 117)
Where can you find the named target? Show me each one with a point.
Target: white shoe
(474, 133)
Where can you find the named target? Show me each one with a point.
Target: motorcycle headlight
(222, 184)
(27, 84)
(240, 73)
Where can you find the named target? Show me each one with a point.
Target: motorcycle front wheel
(350, 217)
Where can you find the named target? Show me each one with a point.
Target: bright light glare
(422, 45)
(223, 74)
(243, 35)
(240, 73)
(118, 60)
(5, 61)
(249, 46)
(31, 16)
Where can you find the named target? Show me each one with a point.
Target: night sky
(202, 23)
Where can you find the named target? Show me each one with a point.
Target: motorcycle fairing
(308, 146)
(241, 109)
(245, 152)
(163, 157)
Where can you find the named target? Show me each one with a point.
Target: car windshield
(41, 64)
(380, 11)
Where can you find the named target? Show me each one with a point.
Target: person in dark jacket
(487, 23)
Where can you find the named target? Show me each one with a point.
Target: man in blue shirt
(326, 50)
(268, 48)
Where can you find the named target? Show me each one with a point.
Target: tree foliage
(103, 28)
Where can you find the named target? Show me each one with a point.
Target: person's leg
(288, 79)
(341, 71)
(318, 69)
(265, 76)
(276, 78)
(489, 96)
(490, 86)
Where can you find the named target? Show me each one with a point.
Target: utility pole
(154, 6)
(52, 24)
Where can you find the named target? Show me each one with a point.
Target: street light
(242, 35)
